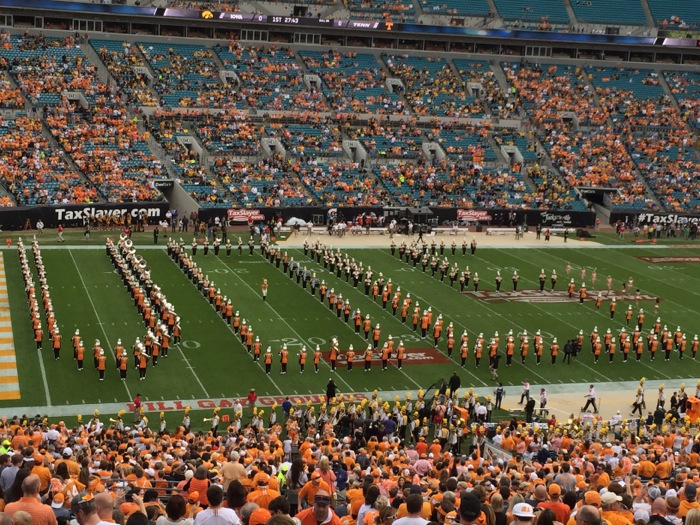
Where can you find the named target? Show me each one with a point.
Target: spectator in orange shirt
(311, 488)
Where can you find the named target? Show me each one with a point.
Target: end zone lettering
(62, 214)
(671, 259)
(267, 401)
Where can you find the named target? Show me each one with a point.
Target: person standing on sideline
(331, 390)
(526, 392)
(252, 398)
(60, 233)
(591, 400)
(500, 393)
(543, 401)
(155, 234)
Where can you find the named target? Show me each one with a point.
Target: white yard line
(340, 377)
(102, 326)
(231, 330)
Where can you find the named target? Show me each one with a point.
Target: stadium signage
(653, 218)
(548, 218)
(65, 214)
(243, 215)
(474, 215)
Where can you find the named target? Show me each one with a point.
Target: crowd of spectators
(623, 129)
(271, 77)
(415, 462)
(389, 140)
(10, 97)
(121, 58)
(109, 149)
(340, 183)
(353, 82)
(546, 92)
(685, 86)
(188, 76)
(432, 86)
(35, 173)
(266, 182)
(315, 137)
(44, 67)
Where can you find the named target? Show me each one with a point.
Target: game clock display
(296, 20)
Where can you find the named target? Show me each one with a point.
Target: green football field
(211, 363)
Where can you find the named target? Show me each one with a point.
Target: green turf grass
(212, 362)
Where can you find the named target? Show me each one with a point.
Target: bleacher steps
(570, 11)
(647, 12)
(570, 116)
(667, 90)
(160, 153)
(141, 70)
(327, 11)
(493, 9)
(500, 76)
(94, 59)
(501, 159)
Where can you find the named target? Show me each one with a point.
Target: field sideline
(212, 364)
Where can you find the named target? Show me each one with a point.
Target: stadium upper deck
(425, 129)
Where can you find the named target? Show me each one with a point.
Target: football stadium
(440, 255)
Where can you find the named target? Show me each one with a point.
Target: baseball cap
(315, 474)
(415, 489)
(67, 451)
(193, 496)
(263, 479)
(259, 517)
(58, 501)
(523, 510)
(554, 490)
(609, 498)
(592, 497)
(83, 498)
(654, 492)
(470, 506)
(322, 497)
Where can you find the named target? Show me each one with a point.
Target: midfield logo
(556, 296)
(413, 356)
